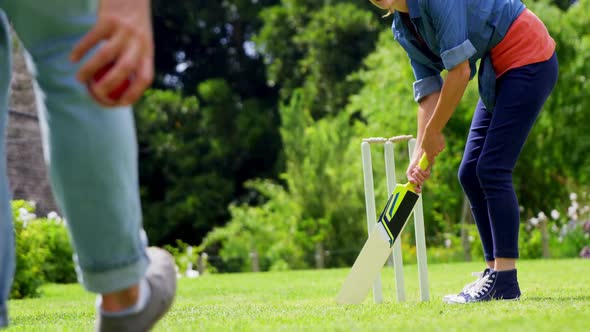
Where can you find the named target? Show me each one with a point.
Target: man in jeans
(90, 147)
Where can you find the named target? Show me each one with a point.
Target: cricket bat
(374, 254)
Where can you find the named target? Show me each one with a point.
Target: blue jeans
(494, 143)
(91, 151)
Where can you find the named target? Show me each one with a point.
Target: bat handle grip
(423, 164)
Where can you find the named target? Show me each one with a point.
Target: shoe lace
(470, 285)
(481, 286)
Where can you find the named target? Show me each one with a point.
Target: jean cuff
(115, 279)
(457, 54)
(427, 86)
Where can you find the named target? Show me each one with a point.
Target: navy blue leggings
(494, 143)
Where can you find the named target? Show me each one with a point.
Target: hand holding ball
(115, 94)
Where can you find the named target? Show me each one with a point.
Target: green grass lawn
(556, 297)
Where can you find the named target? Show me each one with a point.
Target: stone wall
(26, 167)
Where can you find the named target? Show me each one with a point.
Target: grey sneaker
(480, 275)
(161, 276)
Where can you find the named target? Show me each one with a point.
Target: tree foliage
(315, 45)
(195, 155)
(385, 107)
(322, 181)
(319, 203)
(556, 155)
(219, 126)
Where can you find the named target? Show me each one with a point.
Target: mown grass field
(556, 297)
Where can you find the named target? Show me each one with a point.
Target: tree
(199, 40)
(320, 203)
(556, 156)
(316, 45)
(195, 158)
(220, 126)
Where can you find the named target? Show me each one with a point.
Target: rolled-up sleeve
(449, 19)
(428, 80)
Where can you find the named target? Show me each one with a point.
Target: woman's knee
(467, 176)
(491, 173)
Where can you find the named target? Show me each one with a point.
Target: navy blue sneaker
(497, 285)
(467, 288)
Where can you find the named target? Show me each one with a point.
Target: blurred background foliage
(250, 143)
(250, 139)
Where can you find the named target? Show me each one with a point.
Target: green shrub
(569, 243)
(568, 246)
(183, 254)
(43, 251)
(476, 246)
(530, 243)
(567, 228)
(272, 230)
(30, 254)
(59, 266)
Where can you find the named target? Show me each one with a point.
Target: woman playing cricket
(517, 72)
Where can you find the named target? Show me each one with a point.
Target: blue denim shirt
(455, 31)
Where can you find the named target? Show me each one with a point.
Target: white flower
(191, 273)
(563, 231)
(471, 238)
(521, 209)
(573, 196)
(542, 216)
(448, 243)
(26, 216)
(572, 225)
(53, 216)
(554, 214)
(572, 211)
(22, 212)
(534, 221)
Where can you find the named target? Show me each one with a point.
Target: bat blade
(398, 210)
(366, 268)
(377, 248)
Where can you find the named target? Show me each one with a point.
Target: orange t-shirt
(526, 42)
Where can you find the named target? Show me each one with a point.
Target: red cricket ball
(120, 90)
